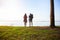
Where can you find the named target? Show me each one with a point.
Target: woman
(25, 19)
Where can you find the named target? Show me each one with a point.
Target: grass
(29, 33)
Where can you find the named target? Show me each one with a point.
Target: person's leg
(25, 24)
(29, 23)
(32, 22)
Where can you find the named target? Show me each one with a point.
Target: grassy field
(29, 33)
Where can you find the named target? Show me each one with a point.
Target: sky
(14, 10)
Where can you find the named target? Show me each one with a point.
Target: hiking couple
(30, 19)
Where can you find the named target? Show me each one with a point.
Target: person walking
(30, 19)
(25, 19)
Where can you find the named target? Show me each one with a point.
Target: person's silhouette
(30, 19)
(25, 19)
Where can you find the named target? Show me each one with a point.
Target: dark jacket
(30, 17)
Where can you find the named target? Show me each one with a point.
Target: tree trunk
(52, 20)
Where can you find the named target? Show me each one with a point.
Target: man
(30, 19)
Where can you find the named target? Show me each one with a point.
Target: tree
(52, 20)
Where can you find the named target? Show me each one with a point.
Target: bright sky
(15, 9)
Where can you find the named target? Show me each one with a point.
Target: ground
(29, 33)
